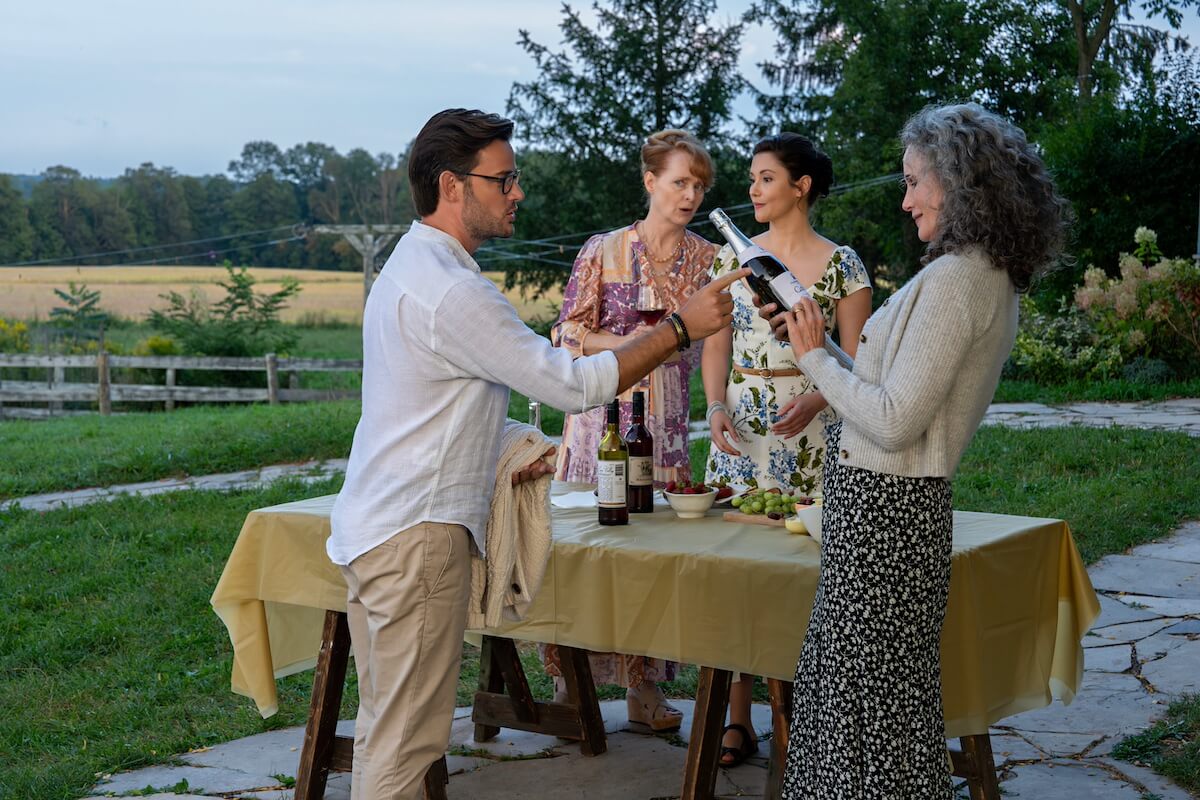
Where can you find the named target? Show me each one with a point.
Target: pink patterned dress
(611, 289)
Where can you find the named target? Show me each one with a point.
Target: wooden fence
(55, 390)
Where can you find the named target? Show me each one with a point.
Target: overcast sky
(101, 86)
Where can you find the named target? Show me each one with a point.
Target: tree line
(1113, 105)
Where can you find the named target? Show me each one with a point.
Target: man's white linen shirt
(441, 347)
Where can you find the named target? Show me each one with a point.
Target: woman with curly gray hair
(867, 718)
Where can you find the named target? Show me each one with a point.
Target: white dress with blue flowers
(767, 460)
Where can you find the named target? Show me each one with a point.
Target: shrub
(1059, 347)
(1148, 370)
(14, 337)
(157, 346)
(243, 323)
(80, 316)
(1152, 310)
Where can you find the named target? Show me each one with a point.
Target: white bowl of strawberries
(690, 500)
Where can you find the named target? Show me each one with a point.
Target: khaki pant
(407, 610)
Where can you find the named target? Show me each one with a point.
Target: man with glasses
(441, 347)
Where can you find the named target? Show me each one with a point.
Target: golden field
(28, 292)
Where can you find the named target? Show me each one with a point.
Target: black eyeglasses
(506, 181)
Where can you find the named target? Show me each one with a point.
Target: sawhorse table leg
(504, 699)
(974, 762)
(700, 769)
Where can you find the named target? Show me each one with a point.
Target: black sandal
(738, 755)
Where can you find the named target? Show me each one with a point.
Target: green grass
(1116, 487)
(110, 654)
(1171, 747)
(76, 452)
(1093, 391)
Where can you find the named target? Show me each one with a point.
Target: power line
(211, 252)
(732, 211)
(144, 249)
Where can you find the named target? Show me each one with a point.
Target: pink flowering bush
(1152, 311)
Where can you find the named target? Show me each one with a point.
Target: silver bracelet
(713, 408)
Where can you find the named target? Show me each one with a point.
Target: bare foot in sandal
(737, 745)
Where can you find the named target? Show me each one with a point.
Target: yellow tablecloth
(704, 591)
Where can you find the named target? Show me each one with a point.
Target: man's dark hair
(451, 140)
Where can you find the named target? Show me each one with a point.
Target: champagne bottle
(769, 278)
(641, 459)
(612, 471)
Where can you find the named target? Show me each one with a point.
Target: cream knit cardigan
(927, 366)
(504, 583)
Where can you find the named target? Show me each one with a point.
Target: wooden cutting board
(752, 519)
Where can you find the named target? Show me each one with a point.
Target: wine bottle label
(788, 289)
(610, 480)
(641, 470)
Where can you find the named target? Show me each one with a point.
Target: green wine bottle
(612, 471)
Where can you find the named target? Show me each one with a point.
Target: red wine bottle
(641, 459)
(612, 472)
(769, 278)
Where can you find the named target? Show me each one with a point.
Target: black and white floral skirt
(867, 716)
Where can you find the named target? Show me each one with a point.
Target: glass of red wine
(651, 316)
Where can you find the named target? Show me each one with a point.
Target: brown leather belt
(769, 373)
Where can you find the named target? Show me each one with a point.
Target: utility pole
(369, 241)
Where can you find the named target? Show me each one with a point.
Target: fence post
(169, 403)
(103, 388)
(58, 379)
(272, 379)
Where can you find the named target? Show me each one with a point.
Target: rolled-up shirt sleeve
(580, 313)
(477, 330)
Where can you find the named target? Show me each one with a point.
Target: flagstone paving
(1137, 658)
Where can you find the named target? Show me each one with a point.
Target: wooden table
(1020, 602)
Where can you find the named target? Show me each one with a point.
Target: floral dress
(767, 460)
(611, 289)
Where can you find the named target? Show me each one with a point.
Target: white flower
(1132, 269)
(1144, 235)
(1126, 304)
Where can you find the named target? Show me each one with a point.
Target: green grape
(735, 502)
(747, 509)
(758, 506)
